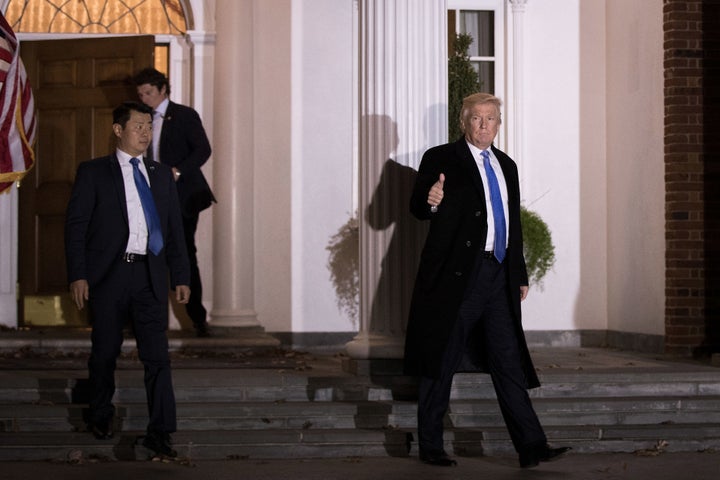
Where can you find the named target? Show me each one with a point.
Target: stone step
(266, 411)
(309, 443)
(259, 385)
(295, 443)
(377, 415)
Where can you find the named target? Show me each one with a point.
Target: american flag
(17, 111)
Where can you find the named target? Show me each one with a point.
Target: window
(162, 58)
(479, 25)
(484, 21)
(166, 19)
(87, 16)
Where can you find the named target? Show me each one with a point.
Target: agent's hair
(153, 77)
(477, 99)
(122, 112)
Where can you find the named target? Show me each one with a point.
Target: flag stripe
(17, 111)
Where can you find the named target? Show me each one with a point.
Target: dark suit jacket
(185, 146)
(96, 227)
(457, 234)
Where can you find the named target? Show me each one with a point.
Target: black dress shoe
(159, 443)
(533, 457)
(550, 454)
(438, 458)
(102, 430)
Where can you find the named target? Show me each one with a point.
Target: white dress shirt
(477, 155)
(158, 118)
(137, 241)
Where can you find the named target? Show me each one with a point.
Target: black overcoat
(456, 236)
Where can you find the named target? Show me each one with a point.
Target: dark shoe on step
(159, 443)
(437, 457)
(102, 430)
(546, 453)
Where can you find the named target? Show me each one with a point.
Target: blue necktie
(497, 207)
(155, 240)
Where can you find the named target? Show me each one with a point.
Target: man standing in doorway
(180, 142)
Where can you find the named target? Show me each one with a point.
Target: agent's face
(135, 137)
(150, 95)
(481, 125)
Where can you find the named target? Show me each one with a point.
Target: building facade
(319, 112)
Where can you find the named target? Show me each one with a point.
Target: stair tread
(313, 408)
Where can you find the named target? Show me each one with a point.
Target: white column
(203, 77)
(403, 111)
(8, 259)
(518, 80)
(202, 69)
(233, 147)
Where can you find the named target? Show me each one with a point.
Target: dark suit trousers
(128, 295)
(194, 308)
(486, 305)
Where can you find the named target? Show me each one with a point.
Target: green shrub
(462, 81)
(539, 250)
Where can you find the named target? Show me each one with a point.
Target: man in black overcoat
(465, 311)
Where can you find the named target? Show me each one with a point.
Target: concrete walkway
(666, 466)
(69, 348)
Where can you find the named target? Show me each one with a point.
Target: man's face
(150, 95)
(482, 124)
(135, 137)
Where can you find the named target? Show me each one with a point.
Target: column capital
(195, 37)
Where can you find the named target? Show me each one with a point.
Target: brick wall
(692, 176)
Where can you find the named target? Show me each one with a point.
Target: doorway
(77, 84)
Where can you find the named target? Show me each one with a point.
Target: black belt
(489, 254)
(134, 257)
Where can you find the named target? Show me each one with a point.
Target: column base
(365, 346)
(241, 337)
(234, 318)
(373, 366)
(374, 355)
(241, 328)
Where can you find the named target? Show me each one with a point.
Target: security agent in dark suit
(465, 310)
(111, 267)
(179, 141)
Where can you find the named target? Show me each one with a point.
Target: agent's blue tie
(155, 240)
(497, 207)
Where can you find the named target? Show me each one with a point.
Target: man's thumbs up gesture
(435, 195)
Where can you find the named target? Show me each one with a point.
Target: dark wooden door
(77, 84)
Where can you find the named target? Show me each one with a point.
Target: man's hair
(121, 114)
(477, 99)
(153, 77)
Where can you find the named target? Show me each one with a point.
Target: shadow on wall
(343, 264)
(388, 212)
(398, 237)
